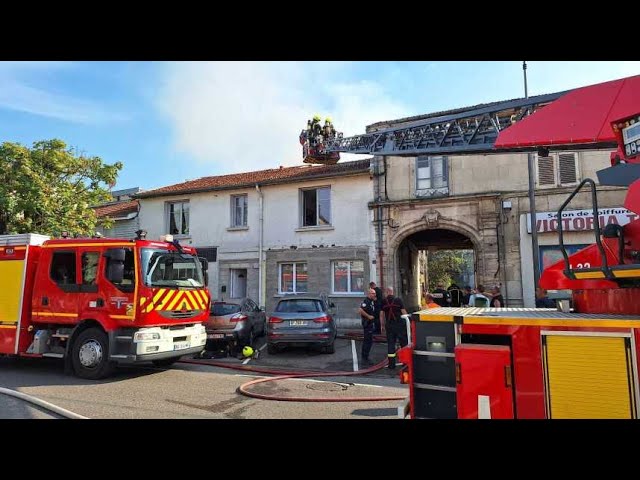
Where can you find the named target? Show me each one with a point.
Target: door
(588, 376)
(55, 294)
(238, 282)
(88, 298)
(484, 381)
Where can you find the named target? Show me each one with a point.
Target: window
(300, 306)
(210, 253)
(251, 306)
(178, 218)
(348, 276)
(316, 207)
(292, 278)
(552, 254)
(90, 267)
(220, 309)
(63, 268)
(432, 177)
(558, 170)
(128, 280)
(239, 210)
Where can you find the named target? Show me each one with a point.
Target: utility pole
(532, 200)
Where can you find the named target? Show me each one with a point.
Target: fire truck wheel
(90, 354)
(166, 362)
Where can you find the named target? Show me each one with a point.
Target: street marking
(248, 359)
(404, 408)
(355, 355)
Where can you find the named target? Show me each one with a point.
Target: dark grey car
(302, 320)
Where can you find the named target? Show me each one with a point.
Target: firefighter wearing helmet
(315, 130)
(329, 130)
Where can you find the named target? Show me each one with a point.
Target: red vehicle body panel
(484, 371)
(582, 116)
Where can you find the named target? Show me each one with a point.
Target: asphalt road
(201, 391)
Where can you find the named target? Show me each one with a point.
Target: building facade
(270, 233)
(122, 211)
(480, 202)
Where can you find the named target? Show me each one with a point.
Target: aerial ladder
(577, 361)
(462, 131)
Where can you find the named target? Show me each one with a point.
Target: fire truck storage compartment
(12, 264)
(434, 370)
(589, 375)
(484, 381)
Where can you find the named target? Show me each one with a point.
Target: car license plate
(180, 345)
(215, 335)
(298, 323)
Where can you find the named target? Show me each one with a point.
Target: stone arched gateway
(433, 220)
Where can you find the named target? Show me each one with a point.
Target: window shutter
(546, 173)
(567, 168)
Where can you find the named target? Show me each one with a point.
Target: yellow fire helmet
(316, 118)
(247, 351)
(327, 120)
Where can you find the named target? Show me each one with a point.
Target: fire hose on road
(285, 375)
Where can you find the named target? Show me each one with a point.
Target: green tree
(444, 265)
(47, 189)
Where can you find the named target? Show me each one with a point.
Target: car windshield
(299, 306)
(165, 268)
(221, 309)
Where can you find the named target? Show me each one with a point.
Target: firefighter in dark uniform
(441, 296)
(377, 329)
(455, 294)
(392, 309)
(367, 312)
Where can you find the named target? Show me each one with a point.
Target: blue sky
(173, 121)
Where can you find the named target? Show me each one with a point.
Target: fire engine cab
(101, 302)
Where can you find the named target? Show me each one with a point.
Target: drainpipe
(380, 227)
(261, 300)
(502, 252)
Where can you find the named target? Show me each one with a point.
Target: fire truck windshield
(165, 268)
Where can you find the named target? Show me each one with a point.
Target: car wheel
(90, 354)
(331, 348)
(166, 362)
(272, 349)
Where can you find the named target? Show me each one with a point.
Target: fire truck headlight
(142, 336)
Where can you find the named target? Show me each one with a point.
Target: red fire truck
(575, 362)
(578, 362)
(101, 302)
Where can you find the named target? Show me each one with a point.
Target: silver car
(302, 320)
(236, 324)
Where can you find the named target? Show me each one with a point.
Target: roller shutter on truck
(11, 283)
(13, 262)
(589, 377)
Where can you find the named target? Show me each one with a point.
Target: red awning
(582, 116)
